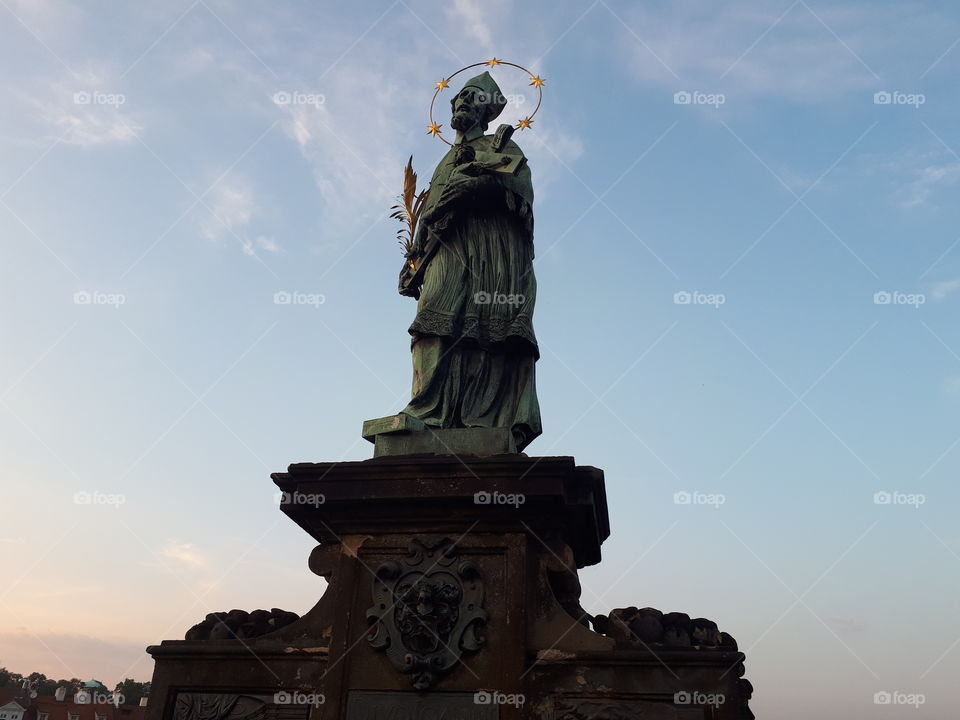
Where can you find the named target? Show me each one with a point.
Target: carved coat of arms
(427, 611)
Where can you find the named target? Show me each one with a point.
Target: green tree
(8, 678)
(132, 691)
(49, 688)
(38, 681)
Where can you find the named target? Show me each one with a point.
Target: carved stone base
(405, 435)
(477, 442)
(449, 579)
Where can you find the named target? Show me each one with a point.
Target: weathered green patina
(473, 344)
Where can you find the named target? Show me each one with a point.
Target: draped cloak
(473, 346)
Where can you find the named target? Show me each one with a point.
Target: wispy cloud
(751, 49)
(85, 111)
(267, 244)
(84, 105)
(927, 181)
(184, 554)
(551, 153)
(474, 17)
(941, 289)
(86, 128)
(350, 143)
(231, 207)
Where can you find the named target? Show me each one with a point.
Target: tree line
(130, 689)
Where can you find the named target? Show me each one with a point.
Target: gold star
(524, 124)
(434, 129)
(442, 84)
(537, 81)
(493, 62)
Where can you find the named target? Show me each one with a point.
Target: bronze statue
(471, 267)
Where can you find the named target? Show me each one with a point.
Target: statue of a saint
(471, 267)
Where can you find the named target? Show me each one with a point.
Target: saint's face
(468, 109)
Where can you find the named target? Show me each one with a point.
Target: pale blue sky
(199, 197)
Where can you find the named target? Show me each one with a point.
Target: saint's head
(478, 104)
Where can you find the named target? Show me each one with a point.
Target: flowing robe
(473, 345)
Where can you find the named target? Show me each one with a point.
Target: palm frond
(412, 204)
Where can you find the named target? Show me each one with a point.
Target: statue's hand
(466, 180)
(472, 169)
(404, 287)
(428, 217)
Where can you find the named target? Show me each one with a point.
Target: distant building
(12, 709)
(92, 702)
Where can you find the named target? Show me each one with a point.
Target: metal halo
(489, 63)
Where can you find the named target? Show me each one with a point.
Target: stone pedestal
(452, 592)
(402, 434)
